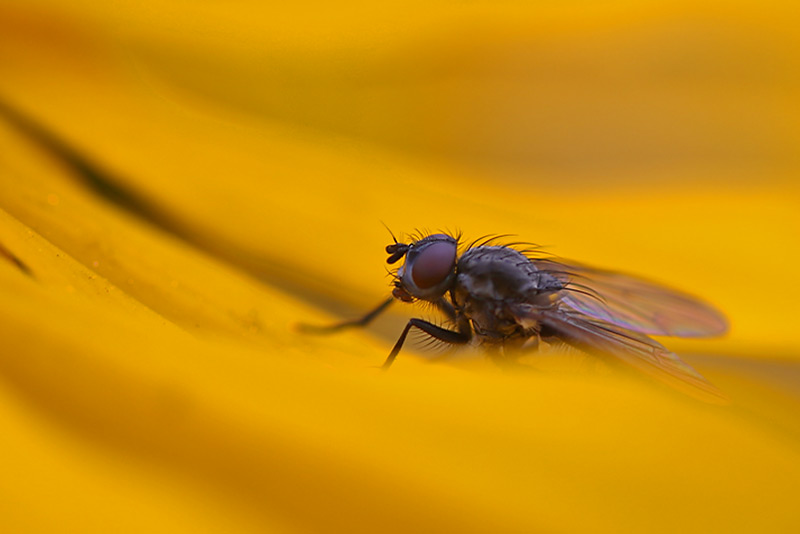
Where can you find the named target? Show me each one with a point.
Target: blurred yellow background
(248, 154)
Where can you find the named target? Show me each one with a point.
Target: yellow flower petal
(151, 375)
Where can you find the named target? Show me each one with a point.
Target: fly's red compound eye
(433, 264)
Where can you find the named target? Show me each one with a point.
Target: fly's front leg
(442, 334)
(360, 322)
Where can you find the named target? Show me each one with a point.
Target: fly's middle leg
(506, 354)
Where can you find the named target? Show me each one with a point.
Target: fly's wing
(633, 349)
(632, 303)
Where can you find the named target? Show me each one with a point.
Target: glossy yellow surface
(151, 378)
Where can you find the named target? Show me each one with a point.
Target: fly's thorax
(492, 282)
(495, 273)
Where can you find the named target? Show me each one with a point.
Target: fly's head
(429, 270)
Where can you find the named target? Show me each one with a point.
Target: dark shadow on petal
(18, 263)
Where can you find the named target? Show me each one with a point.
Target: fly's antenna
(396, 250)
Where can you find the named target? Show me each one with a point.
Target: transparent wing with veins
(631, 348)
(633, 303)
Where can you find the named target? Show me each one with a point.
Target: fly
(508, 299)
